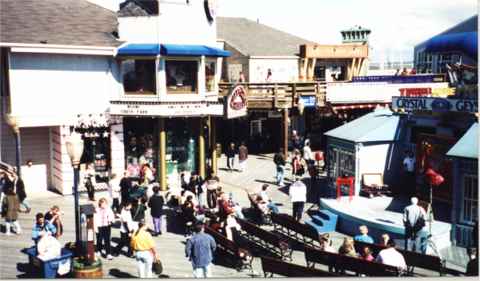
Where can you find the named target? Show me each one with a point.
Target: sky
(396, 26)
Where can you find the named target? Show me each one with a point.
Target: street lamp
(13, 123)
(74, 145)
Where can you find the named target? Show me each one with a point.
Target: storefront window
(140, 145)
(340, 162)
(181, 146)
(210, 75)
(470, 198)
(139, 77)
(182, 76)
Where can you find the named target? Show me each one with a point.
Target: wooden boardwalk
(170, 245)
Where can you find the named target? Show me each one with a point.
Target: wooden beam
(162, 161)
(285, 132)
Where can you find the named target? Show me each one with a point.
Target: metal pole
(77, 210)
(430, 211)
(18, 154)
(162, 162)
(285, 133)
(201, 149)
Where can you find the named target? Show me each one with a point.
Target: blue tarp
(465, 42)
(467, 146)
(135, 49)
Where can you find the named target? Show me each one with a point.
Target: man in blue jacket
(199, 250)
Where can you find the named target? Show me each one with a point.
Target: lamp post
(74, 145)
(13, 123)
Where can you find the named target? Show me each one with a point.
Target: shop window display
(139, 77)
(181, 76)
(210, 75)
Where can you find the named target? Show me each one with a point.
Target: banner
(235, 104)
(435, 104)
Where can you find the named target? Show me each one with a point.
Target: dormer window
(182, 76)
(139, 76)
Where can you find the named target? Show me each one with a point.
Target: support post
(77, 210)
(162, 163)
(213, 141)
(285, 133)
(201, 148)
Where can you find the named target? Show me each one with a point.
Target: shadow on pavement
(27, 271)
(120, 274)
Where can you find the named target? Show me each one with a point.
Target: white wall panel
(283, 70)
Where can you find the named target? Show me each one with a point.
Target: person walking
(145, 254)
(212, 186)
(90, 181)
(199, 250)
(307, 154)
(138, 209)
(279, 161)
(242, 156)
(125, 187)
(414, 221)
(19, 185)
(127, 228)
(156, 210)
(195, 185)
(298, 165)
(104, 218)
(3, 184)
(230, 153)
(10, 210)
(409, 173)
(114, 190)
(298, 197)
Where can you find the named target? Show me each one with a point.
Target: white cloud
(397, 26)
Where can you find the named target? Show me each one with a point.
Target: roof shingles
(58, 22)
(255, 39)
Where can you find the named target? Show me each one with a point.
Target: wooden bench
(292, 228)
(343, 263)
(242, 258)
(272, 266)
(413, 259)
(268, 240)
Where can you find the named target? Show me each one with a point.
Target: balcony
(280, 95)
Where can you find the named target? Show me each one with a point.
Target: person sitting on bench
(266, 198)
(326, 243)
(363, 236)
(366, 254)
(348, 248)
(391, 256)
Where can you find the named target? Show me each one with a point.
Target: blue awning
(465, 42)
(171, 50)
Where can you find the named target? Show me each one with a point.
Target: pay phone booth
(87, 233)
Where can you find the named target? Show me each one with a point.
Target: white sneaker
(8, 234)
(109, 257)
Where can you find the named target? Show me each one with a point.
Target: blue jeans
(280, 174)
(202, 272)
(273, 208)
(144, 263)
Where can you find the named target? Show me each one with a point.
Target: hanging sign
(435, 104)
(309, 101)
(235, 104)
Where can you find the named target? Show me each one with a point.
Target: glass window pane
(210, 67)
(182, 76)
(139, 77)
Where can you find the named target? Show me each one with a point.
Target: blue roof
(136, 49)
(467, 146)
(380, 125)
(465, 42)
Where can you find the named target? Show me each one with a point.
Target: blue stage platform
(380, 215)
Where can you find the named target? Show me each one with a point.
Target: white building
(57, 63)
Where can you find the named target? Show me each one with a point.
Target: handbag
(419, 224)
(157, 266)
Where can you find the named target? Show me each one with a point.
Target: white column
(117, 149)
(61, 166)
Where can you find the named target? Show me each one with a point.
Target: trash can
(49, 268)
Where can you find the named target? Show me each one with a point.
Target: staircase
(323, 221)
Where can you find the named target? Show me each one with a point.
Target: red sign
(415, 92)
(349, 181)
(236, 103)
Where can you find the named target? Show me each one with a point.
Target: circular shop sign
(238, 100)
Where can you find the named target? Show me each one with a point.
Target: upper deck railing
(279, 95)
(398, 79)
